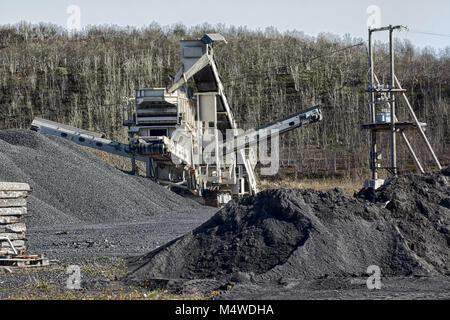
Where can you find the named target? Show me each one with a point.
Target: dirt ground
(101, 250)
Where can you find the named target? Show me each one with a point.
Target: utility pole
(382, 113)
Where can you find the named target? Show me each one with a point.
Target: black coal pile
(420, 208)
(73, 186)
(285, 234)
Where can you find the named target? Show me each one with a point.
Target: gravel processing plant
(74, 226)
(282, 243)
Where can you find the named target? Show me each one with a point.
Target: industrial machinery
(187, 135)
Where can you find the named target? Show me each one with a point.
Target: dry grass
(349, 186)
(39, 287)
(50, 292)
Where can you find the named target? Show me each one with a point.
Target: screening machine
(187, 135)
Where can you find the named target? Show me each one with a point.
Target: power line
(430, 33)
(309, 60)
(335, 51)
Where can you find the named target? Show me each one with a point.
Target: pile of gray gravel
(288, 234)
(420, 207)
(72, 186)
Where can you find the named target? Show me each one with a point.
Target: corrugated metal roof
(212, 37)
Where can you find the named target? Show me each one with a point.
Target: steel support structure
(380, 94)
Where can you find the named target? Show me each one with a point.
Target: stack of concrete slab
(13, 211)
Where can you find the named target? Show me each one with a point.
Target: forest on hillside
(81, 78)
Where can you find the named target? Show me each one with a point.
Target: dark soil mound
(420, 208)
(285, 234)
(71, 185)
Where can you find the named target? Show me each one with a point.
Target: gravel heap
(288, 234)
(72, 186)
(420, 208)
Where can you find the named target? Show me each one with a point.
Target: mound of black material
(71, 185)
(299, 234)
(420, 207)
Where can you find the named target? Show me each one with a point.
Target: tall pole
(373, 133)
(392, 98)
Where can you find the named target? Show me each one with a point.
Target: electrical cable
(430, 33)
(309, 60)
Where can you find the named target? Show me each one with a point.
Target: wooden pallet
(23, 261)
(13, 210)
